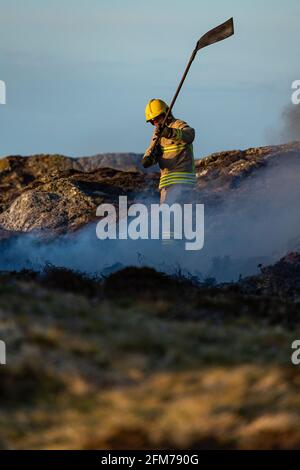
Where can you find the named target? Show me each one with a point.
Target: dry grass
(128, 372)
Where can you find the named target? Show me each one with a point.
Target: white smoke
(256, 223)
(291, 121)
(289, 130)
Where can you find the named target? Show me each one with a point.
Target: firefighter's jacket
(175, 156)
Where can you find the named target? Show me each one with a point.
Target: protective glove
(151, 158)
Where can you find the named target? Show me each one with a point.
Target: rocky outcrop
(47, 210)
(224, 173)
(58, 199)
(60, 194)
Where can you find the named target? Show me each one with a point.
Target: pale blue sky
(79, 74)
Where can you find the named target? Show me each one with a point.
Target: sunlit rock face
(58, 193)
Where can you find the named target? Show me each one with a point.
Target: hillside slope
(60, 194)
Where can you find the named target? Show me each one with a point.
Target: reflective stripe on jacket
(175, 156)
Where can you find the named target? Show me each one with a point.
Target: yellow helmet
(154, 108)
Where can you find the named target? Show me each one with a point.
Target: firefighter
(173, 153)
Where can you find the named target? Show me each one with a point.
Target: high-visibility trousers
(175, 194)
